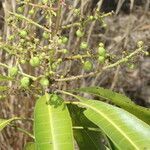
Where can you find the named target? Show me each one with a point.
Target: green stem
(22, 73)
(24, 131)
(3, 65)
(67, 93)
(125, 59)
(78, 24)
(58, 19)
(121, 61)
(30, 21)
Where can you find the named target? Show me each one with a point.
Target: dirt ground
(129, 24)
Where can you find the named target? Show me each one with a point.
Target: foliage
(40, 67)
(53, 128)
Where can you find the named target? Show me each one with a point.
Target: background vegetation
(120, 33)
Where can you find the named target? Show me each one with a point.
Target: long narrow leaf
(52, 125)
(124, 129)
(86, 139)
(121, 101)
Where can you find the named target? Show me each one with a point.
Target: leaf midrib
(109, 120)
(51, 126)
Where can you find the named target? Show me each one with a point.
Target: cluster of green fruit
(36, 60)
(55, 100)
(101, 53)
(88, 65)
(25, 82)
(63, 40)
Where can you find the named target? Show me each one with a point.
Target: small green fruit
(101, 59)
(147, 53)
(23, 33)
(55, 100)
(140, 44)
(54, 66)
(20, 9)
(31, 12)
(84, 45)
(42, 56)
(23, 61)
(22, 41)
(101, 51)
(79, 33)
(13, 71)
(91, 17)
(101, 44)
(64, 40)
(25, 82)
(11, 37)
(44, 82)
(65, 51)
(45, 35)
(76, 11)
(60, 41)
(59, 60)
(35, 61)
(104, 25)
(87, 66)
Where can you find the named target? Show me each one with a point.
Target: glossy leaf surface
(52, 125)
(85, 138)
(125, 130)
(121, 101)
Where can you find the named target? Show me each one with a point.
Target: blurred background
(129, 24)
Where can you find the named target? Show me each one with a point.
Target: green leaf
(86, 139)
(52, 124)
(121, 101)
(107, 148)
(111, 145)
(30, 146)
(5, 78)
(5, 122)
(125, 130)
(3, 88)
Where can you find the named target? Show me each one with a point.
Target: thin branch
(119, 62)
(30, 21)
(22, 73)
(24, 131)
(39, 6)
